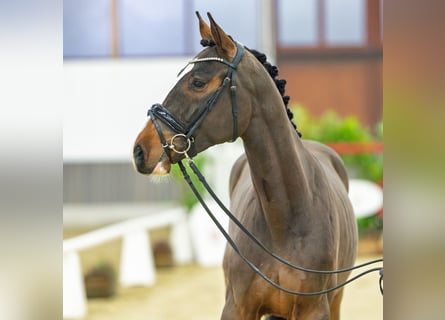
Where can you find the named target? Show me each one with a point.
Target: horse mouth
(162, 167)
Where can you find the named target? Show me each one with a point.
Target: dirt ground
(192, 292)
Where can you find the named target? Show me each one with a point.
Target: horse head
(210, 104)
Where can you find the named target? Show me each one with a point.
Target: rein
(185, 131)
(261, 245)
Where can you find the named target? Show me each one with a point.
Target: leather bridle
(185, 131)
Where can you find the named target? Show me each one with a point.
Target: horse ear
(224, 45)
(204, 28)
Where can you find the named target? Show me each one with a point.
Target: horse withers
(292, 194)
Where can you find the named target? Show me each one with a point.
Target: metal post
(266, 28)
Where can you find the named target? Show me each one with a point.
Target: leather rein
(185, 132)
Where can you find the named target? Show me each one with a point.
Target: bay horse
(292, 194)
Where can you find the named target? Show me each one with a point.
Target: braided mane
(273, 72)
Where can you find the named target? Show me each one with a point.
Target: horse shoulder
(328, 156)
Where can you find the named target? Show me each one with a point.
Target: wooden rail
(357, 147)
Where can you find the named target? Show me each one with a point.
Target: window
(150, 27)
(134, 28)
(316, 23)
(345, 22)
(297, 22)
(86, 28)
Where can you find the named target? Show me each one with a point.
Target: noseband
(185, 131)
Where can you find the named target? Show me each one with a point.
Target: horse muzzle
(160, 168)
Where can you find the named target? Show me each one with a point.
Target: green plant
(330, 127)
(188, 199)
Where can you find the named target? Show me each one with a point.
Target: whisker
(160, 179)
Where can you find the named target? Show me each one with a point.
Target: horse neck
(279, 163)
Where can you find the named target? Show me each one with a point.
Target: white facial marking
(159, 169)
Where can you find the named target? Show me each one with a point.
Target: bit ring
(172, 146)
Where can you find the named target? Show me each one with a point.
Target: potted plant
(100, 281)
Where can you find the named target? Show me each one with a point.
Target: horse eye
(198, 84)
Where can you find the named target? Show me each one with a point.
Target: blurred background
(121, 56)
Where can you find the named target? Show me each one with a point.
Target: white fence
(137, 263)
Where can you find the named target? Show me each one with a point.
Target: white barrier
(74, 295)
(366, 197)
(137, 263)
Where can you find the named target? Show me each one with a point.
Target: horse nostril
(138, 153)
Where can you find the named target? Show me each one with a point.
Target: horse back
(328, 157)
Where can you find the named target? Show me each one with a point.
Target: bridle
(185, 131)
